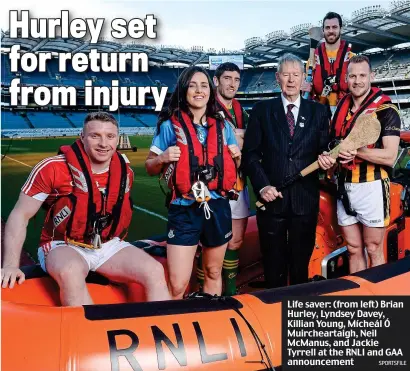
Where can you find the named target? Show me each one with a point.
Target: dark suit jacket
(270, 154)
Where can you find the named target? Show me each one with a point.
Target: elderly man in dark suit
(286, 134)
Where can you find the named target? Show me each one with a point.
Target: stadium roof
(367, 28)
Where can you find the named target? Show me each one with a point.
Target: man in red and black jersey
(331, 59)
(86, 191)
(364, 174)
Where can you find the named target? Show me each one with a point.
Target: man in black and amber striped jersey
(363, 207)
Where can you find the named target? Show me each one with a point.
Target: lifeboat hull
(195, 334)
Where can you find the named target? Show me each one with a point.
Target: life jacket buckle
(201, 192)
(233, 195)
(328, 85)
(206, 173)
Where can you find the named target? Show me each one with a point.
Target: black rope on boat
(261, 346)
(259, 343)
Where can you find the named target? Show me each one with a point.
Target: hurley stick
(365, 131)
(315, 35)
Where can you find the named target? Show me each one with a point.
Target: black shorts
(187, 225)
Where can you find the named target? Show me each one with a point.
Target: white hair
(289, 58)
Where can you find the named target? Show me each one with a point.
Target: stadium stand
(405, 114)
(148, 119)
(75, 118)
(70, 77)
(13, 120)
(47, 120)
(382, 34)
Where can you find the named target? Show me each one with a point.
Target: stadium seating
(47, 120)
(257, 80)
(405, 115)
(70, 77)
(165, 76)
(395, 65)
(148, 119)
(75, 118)
(253, 80)
(13, 120)
(6, 75)
(125, 120)
(389, 65)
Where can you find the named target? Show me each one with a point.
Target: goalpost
(125, 144)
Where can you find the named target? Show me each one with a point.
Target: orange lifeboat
(123, 332)
(172, 335)
(405, 136)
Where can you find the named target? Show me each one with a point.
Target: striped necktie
(291, 119)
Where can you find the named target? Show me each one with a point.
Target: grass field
(26, 153)
(149, 216)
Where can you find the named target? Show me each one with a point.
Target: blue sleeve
(166, 138)
(229, 134)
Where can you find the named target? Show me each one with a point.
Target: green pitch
(26, 153)
(149, 212)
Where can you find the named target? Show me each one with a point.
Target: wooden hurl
(365, 131)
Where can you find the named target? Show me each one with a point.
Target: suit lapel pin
(302, 124)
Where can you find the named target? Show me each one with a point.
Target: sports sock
(230, 271)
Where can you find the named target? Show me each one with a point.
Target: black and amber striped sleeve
(390, 121)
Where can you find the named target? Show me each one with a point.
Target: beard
(228, 95)
(333, 42)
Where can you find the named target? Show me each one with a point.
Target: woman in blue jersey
(196, 152)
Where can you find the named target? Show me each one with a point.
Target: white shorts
(241, 207)
(94, 258)
(371, 202)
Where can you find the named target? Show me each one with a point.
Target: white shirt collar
(286, 102)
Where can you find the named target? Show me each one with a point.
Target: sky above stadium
(211, 24)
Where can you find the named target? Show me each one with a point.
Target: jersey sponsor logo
(79, 178)
(61, 216)
(393, 128)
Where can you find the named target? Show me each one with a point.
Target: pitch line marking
(150, 212)
(13, 159)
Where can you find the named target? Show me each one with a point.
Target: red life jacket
(182, 174)
(237, 109)
(74, 216)
(324, 69)
(341, 128)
